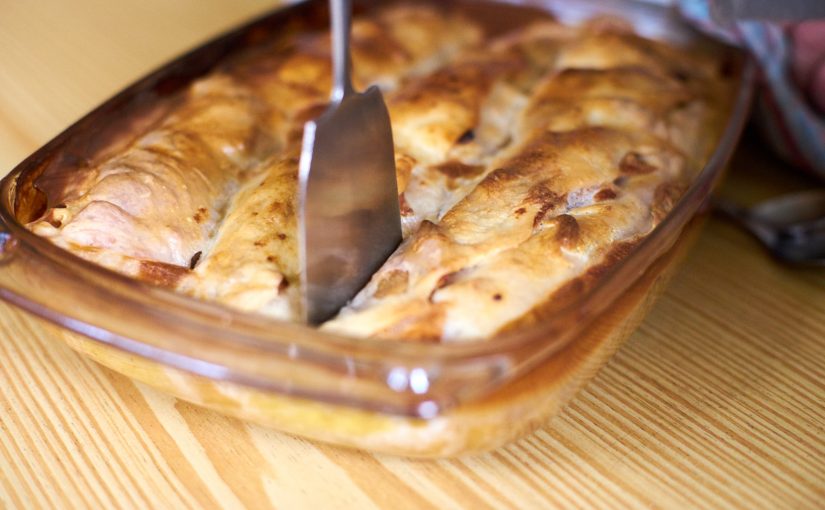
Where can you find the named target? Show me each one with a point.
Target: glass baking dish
(427, 400)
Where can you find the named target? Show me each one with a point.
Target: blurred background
(61, 59)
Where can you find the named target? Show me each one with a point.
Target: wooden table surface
(717, 401)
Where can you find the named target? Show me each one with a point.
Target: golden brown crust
(602, 152)
(526, 166)
(158, 273)
(386, 46)
(456, 120)
(529, 226)
(161, 198)
(253, 262)
(569, 293)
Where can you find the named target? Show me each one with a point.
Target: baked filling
(526, 163)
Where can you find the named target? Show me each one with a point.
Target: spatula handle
(341, 16)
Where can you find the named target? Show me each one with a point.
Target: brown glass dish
(405, 398)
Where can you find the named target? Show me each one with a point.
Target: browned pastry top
(524, 162)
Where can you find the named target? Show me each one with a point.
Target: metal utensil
(727, 11)
(791, 226)
(349, 219)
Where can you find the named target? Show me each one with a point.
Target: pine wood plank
(718, 401)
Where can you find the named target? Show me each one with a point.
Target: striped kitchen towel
(791, 123)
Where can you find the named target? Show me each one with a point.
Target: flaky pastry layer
(525, 161)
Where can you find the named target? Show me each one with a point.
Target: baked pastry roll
(526, 162)
(153, 209)
(160, 199)
(542, 218)
(447, 125)
(606, 144)
(252, 263)
(392, 44)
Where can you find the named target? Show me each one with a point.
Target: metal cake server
(349, 219)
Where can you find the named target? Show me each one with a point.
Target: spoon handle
(727, 11)
(791, 226)
(744, 219)
(341, 17)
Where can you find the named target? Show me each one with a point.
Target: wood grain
(718, 401)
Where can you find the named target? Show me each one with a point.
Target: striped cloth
(791, 124)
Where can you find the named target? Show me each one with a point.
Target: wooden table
(717, 401)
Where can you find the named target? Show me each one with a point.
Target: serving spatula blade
(349, 218)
